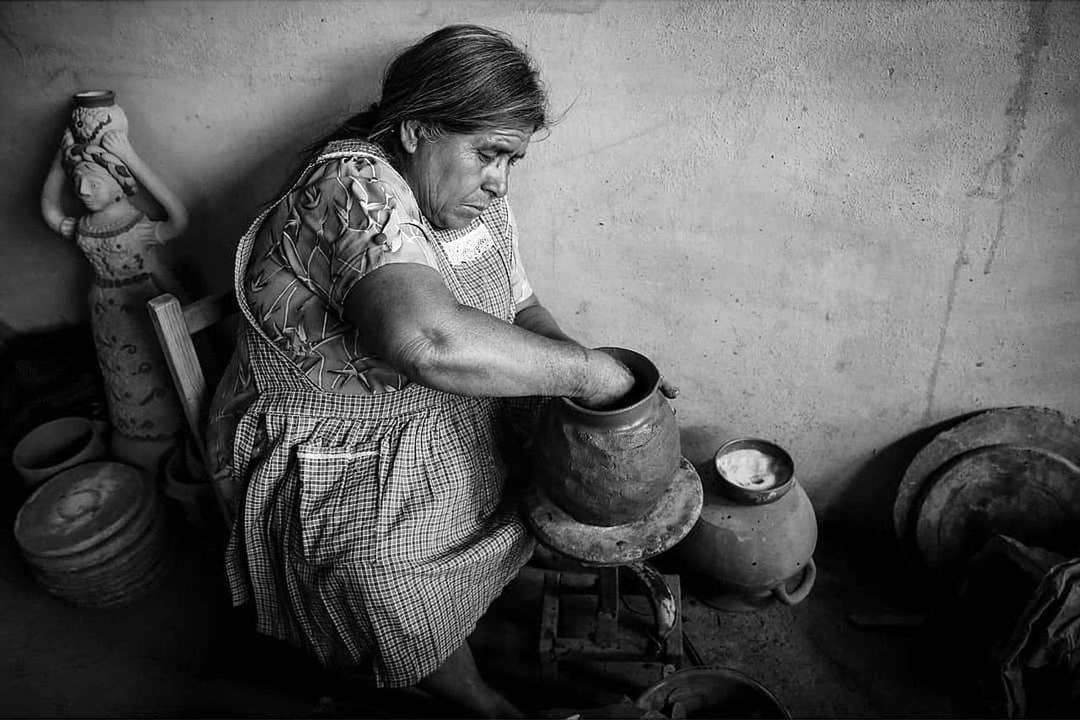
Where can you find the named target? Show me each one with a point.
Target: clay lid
(664, 526)
(79, 508)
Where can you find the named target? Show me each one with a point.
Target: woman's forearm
(476, 354)
(407, 316)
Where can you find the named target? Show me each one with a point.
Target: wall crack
(1032, 41)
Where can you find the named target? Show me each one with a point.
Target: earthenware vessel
(754, 541)
(95, 112)
(186, 483)
(55, 446)
(610, 467)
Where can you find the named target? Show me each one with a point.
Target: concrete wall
(833, 224)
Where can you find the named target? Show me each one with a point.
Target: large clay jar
(610, 467)
(95, 113)
(754, 541)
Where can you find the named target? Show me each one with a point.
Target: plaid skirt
(372, 531)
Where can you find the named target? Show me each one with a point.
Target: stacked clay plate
(95, 534)
(1011, 471)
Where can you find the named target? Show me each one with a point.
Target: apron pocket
(339, 490)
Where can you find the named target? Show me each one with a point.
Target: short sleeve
(349, 216)
(379, 224)
(520, 288)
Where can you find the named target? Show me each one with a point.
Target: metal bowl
(712, 692)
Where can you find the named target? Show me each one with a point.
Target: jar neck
(651, 406)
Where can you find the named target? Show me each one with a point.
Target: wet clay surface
(605, 474)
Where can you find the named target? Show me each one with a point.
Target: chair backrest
(175, 324)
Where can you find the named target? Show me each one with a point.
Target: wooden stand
(589, 628)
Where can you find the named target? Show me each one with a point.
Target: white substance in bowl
(749, 469)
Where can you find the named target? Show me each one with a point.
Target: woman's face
(95, 186)
(455, 177)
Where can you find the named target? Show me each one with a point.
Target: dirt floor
(183, 651)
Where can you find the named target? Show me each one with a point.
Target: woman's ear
(410, 133)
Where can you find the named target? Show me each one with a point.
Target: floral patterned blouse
(344, 218)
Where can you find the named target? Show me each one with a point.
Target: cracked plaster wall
(832, 224)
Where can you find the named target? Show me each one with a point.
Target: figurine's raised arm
(51, 207)
(118, 144)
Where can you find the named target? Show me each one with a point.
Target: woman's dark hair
(459, 79)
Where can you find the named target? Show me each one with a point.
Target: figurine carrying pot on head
(94, 114)
(121, 243)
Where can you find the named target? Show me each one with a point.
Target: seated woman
(388, 317)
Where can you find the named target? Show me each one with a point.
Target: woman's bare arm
(536, 318)
(408, 316)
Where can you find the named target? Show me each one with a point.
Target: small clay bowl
(742, 483)
(55, 446)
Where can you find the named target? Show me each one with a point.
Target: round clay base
(734, 602)
(664, 526)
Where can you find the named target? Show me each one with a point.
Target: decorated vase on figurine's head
(94, 114)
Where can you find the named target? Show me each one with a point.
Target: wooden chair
(175, 324)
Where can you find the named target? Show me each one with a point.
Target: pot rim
(43, 436)
(647, 365)
(752, 495)
(94, 98)
(647, 699)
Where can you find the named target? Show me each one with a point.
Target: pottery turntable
(612, 490)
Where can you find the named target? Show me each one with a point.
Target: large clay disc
(1030, 494)
(658, 531)
(1026, 426)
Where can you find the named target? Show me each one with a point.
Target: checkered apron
(374, 531)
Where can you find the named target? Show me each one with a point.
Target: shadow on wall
(223, 214)
(699, 443)
(203, 259)
(865, 506)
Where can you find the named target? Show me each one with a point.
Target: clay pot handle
(805, 586)
(665, 610)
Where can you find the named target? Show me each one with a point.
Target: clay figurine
(121, 243)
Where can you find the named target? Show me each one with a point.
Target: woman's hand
(609, 381)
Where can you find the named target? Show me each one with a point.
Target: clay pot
(188, 485)
(754, 541)
(610, 467)
(57, 445)
(94, 114)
